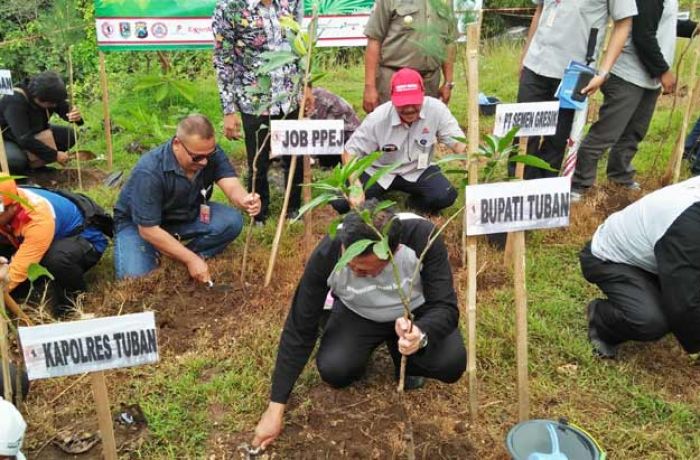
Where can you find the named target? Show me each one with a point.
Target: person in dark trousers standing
(31, 142)
(559, 33)
(243, 31)
(368, 312)
(646, 260)
(643, 69)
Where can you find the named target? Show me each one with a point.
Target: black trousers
(536, 88)
(256, 129)
(17, 159)
(633, 308)
(431, 193)
(349, 340)
(68, 260)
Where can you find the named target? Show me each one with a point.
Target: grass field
(217, 353)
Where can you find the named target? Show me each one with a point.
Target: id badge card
(423, 160)
(204, 213)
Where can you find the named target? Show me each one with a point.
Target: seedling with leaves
(493, 157)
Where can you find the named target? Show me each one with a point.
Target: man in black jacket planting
(646, 260)
(367, 312)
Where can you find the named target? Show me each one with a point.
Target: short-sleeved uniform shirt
(159, 192)
(401, 25)
(383, 130)
(563, 31)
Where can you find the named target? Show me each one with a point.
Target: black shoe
(413, 382)
(600, 347)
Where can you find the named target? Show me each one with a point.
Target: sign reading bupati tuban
(306, 137)
(517, 206)
(180, 24)
(533, 118)
(93, 345)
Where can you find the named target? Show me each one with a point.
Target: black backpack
(93, 213)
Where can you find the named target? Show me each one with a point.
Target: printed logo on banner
(141, 29)
(125, 29)
(306, 137)
(107, 29)
(517, 206)
(76, 347)
(533, 118)
(6, 82)
(159, 30)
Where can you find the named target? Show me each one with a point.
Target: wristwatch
(603, 73)
(423, 340)
(450, 84)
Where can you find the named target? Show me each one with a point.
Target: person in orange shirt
(45, 227)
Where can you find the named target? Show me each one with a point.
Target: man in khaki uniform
(398, 32)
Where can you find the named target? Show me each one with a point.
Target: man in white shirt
(407, 129)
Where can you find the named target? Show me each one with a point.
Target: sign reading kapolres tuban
(93, 345)
(516, 206)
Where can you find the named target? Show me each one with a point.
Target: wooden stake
(105, 110)
(518, 257)
(104, 415)
(519, 173)
(5, 353)
(677, 158)
(3, 156)
(15, 309)
(470, 242)
(72, 104)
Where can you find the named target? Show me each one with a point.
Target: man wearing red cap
(407, 129)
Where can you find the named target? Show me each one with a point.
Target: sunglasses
(196, 157)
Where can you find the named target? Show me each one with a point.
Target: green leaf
(355, 249)
(319, 201)
(36, 271)
(275, 60)
(452, 157)
(381, 249)
(381, 172)
(161, 93)
(288, 22)
(333, 226)
(317, 76)
(461, 139)
(532, 161)
(506, 142)
(384, 204)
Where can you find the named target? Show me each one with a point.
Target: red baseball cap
(407, 88)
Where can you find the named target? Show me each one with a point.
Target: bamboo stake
(72, 105)
(3, 156)
(10, 303)
(521, 311)
(292, 169)
(677, 159)
(471, 248)
(308, 216)
(5, 353)
(105, 109)
(104, 415)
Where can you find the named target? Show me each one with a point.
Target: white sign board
(533, 118)
(306, 137)
(56, 350)
(5, 82)
(516, 206)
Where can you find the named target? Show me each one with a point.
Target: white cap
(12, 427)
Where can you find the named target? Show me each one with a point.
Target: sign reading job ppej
(6, 82)
(56, 350)
(533, 118)
(307, 137)
(517, 206)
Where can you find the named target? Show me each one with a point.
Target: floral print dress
(243, 30)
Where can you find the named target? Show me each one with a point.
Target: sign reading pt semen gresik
(306, 137)
(517, 206)
(533, 118)
(94, 345)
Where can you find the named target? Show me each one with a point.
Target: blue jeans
(134, 256)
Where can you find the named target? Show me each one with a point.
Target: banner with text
(306, 137)
(177, 24)
(533, 118)
(516, 206)
(6, 82)
(60, 349)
